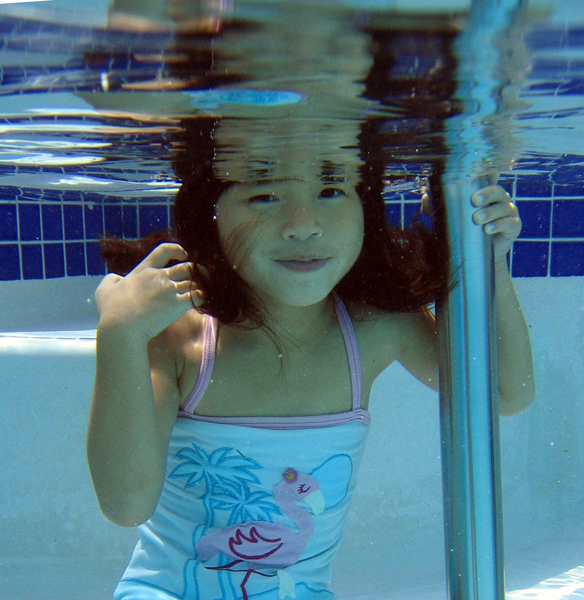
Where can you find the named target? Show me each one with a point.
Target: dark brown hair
(397, 270)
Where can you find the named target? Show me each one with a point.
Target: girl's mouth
(302, 265)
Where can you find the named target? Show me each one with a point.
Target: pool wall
(56, 544)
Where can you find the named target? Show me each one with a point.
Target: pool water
(95, 108)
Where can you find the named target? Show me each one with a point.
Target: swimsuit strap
(210, 343)
(208, 358)
(352, 349)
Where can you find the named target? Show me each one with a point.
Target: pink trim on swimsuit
(328, 420)
(209, 343)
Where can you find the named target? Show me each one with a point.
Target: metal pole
(467, 330)
(469, 413)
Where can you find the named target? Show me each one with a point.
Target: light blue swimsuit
(252, 507)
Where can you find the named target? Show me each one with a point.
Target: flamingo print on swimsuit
(230, 489)
(261, 544)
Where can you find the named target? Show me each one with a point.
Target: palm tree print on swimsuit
(247, 541)
(224, 475)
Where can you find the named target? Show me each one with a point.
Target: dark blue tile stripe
(567, 259)
(9, 262)
(32, 261)
(49, 234)
(54, 260)
(49, 238)
(530, 259)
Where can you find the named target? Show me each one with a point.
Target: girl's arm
(136, 395)
(516, 378)
(134, 407)
(419, 351)
(500, 218)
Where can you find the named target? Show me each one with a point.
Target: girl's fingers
(490, 195)
(493, 212)
(496, 212)
(164, 253)
(193, 297)
(110, 279)
(185, 290)
(182, 287)
(493, 177)
(508, 227)
(179, 272)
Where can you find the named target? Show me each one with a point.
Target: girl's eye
(262, 199)
(331, 193)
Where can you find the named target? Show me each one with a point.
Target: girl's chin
(297, 300)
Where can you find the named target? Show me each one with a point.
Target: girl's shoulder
(384, 337)
(181, 342)
(371, 320)
(379, 334)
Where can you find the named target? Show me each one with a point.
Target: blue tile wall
(8, 228)
(535, 217)
(52, 222)
(533, 187)
(54, 259)
(95, 265)
(393, 213)
(153, 218)
(50, 234)
(551, 242)
(32, 261)
(567, 259)
(9, 262)
(29, 222)
(75, 259)
(73, 221)
(568, 219)
(530, 259)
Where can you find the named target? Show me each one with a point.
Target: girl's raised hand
(499, 217)
(151, 297)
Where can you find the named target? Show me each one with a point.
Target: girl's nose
(301, 225)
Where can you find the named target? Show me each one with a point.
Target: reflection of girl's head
(394, 270)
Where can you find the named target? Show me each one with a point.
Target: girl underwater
(235, 356)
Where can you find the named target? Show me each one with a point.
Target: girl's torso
(232, 520)
(310, 378)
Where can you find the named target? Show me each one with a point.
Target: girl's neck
(301, 323)
(287, 328)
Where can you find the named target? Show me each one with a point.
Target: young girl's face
(294, 237)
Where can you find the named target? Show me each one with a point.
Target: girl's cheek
(357, 224)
